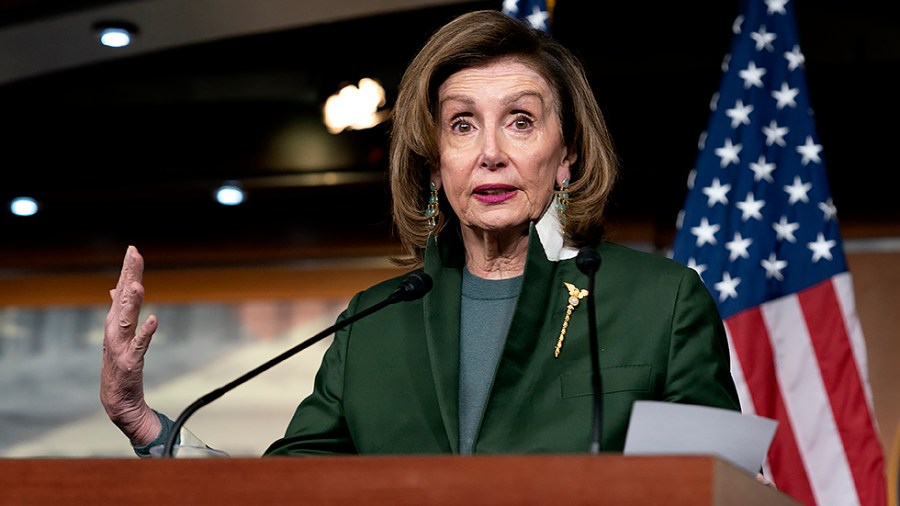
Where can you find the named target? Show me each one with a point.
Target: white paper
(668, 428)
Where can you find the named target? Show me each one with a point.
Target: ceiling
(127, 147)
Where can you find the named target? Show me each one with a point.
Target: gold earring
(432, 211)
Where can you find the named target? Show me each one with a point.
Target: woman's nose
(493, 152)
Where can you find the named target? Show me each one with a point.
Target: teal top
(486, 311)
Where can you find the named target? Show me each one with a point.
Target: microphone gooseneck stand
(588, 261)
(415, 286)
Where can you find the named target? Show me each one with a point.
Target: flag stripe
(743, 390)
(843, 287)
(807, 402)
(756, 357)
(842, 383)
(874, 456)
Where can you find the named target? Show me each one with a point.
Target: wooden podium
(419, 480)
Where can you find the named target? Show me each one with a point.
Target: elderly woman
(501, 165)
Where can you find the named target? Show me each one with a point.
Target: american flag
(536, 13)
(760, 227)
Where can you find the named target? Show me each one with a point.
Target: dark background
(130, 151)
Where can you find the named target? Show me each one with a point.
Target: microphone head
(588, 260)
(415, 286)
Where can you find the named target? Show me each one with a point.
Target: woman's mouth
(493, 194)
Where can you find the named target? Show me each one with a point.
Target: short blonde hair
(476, 39)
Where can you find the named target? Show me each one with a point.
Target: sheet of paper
(668, 428)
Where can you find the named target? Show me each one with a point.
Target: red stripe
(845, 391)
(754, 350)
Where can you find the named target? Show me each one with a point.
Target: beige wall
(876, 278)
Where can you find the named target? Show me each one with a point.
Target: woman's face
(501, 146)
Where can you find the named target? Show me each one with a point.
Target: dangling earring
(562, 201)
(432, 211)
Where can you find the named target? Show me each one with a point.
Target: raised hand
(124, 347)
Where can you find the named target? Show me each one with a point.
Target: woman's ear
(436, 177)
(564, 171)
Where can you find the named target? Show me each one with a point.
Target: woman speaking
(500, 167)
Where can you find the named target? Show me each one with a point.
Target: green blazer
(388, 384)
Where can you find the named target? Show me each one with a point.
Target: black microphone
(415, 286)
(588, 262)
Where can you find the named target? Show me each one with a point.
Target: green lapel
(442, 313)
(539, 285)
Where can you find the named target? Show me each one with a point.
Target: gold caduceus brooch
(575, 296)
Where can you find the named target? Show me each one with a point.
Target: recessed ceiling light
(23, 206)
(230, 194)
(115, 33)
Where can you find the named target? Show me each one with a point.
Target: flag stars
(752, 76)
(729, 153)
(762, 170)
(785, 96)
(795, 58)
(705, 232)
(511, 7)
(773, 267)
(727, 287)
(763, 206)
(775, 6)
(737, 247)
(785, 230)
(821, 248)
(716, 193)
(714, 102)
(739, 114)
(538, 18)
(763, 39)
(828, 209)
(750, 208)
(797, 191)
(810, 151)
(775, 134)
(736, 26)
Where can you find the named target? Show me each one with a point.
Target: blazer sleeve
(699, 365)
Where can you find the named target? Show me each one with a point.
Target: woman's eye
(461, 126)
(522, 123)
